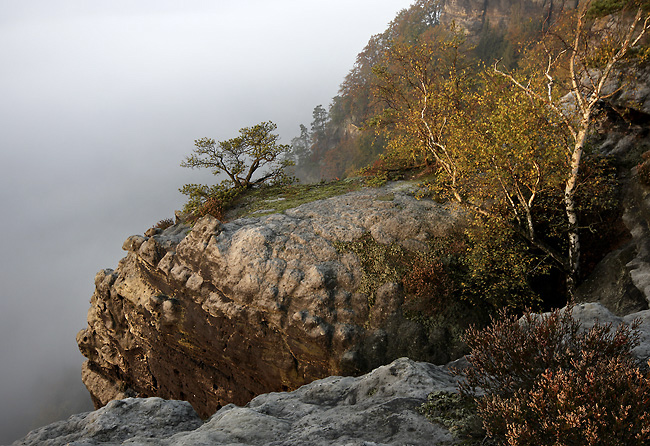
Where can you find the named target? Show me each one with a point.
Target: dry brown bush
(546, 381)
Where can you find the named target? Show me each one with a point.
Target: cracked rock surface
(379, 408)
(220, 313)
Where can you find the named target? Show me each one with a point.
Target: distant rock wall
(220, 313)
(471, 15)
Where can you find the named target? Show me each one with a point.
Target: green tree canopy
(256, 149)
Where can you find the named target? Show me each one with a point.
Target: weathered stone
(590, 313)
(166, 263)
(379, 408)
(131, 420)
(102, 386)
(224, 312)
(621, 281)
(611, 284)
(151, 252)
(152, 231)
(133, 243)
(471, 15)
(104, 279)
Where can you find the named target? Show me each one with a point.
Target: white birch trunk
(572, 212)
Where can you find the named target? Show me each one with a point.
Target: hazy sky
(99, 103)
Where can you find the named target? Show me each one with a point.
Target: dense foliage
(510, 142)
(512, 147)
(346, 143)
(545, 380)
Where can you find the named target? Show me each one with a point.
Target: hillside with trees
(505, 117)
(340, 140)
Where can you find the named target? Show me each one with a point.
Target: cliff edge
(380, 408)
(219, 313)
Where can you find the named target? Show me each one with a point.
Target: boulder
(117, 422)
(621, 281)
(221, 312)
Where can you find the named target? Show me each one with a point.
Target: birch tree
(507, 149)
(494, 150)
(579, 66)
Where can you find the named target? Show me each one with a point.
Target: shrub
(204, 200)
(455, 411)
(549, 382)
(165, 223)
(428, 286)
(499, 268)
(386, 168)
(601, 402)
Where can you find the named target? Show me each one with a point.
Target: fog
(100, 102)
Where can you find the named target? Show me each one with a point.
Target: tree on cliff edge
(256, 148)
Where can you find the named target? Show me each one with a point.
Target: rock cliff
(472, 15)
(379, 408)
(220, 313)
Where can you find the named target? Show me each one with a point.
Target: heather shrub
(428, 286)
(546, 381)
(164, 224)
(596, 402)
(208, 200)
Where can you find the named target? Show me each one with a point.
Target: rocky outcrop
(621, 281)
(220, 313)
(472, 15)
(590, 313)
(380, 408)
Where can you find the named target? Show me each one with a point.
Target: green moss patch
(380, 263)
(456, 412)
(274, 199)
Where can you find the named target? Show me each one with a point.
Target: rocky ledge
(380, 408)
(220, 313)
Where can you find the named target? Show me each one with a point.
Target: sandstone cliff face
(471, 15)
(223, 312)
(379, 408)
(621, 281)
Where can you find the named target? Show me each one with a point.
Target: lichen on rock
(221, 312)
(380, 408)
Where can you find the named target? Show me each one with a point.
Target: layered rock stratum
(380, 408)
(222, 312)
